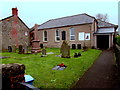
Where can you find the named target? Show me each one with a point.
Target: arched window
(57, 35)
(63, 35)
(45, 36)
(72, 34)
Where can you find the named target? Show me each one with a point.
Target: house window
(57, 37)
(72, 34)
(45, 36)
(26, 33)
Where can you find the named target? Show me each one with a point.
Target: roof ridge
(72, 16)
(6, 18)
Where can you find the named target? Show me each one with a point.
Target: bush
(117, 39)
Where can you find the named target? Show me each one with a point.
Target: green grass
(41, 67)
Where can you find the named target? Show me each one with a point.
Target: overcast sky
(38, 12)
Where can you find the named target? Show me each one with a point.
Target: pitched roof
(105, 24)
(67, 21)
(17, 17)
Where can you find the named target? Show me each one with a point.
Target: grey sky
(40, 12)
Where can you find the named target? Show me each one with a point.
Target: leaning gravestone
(11, 75)
(9, 49)
(65, 50)
(20, 49)
(14, 48)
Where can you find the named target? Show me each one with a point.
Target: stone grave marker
(44, 52)
(14, 48)
(65, 50)
(9, 49)
(25, 49)
(20, 49)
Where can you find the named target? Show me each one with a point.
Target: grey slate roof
(66, 21)
(104, 24)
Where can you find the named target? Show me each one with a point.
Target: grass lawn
(41, 67)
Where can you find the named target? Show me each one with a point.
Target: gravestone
(25, 49)
(9, 49)
(12, 74)
(14, 48)
(20, 49)
(73, 46)
(43, 51)
(65, 50)
(78, 46)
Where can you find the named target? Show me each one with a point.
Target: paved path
(103, 74)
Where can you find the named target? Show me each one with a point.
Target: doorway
(103, 41)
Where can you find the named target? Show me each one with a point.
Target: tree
(102, 17)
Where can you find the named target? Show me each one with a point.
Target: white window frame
(72, 35)
(44, 36)
(81, 36)
(56, 35)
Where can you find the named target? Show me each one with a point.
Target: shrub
(117, 39)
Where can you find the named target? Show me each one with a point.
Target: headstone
(25, 49)
(78, 46)
(73, 46)
(20, 49)
(43, 51)
(12, 74)
(65, 50)
(9, 49)
(14, 48)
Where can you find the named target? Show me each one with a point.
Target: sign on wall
(87, 36)
(81, 35)
(84, 36)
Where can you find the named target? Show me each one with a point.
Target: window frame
(71, 35)
(56, 35)
(45, 37)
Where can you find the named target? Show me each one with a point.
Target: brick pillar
(11, 74)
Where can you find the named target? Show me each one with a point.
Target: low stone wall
(11, 75)
(117, 55)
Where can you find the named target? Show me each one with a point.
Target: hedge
(117, 39)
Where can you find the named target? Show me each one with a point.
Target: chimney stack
(15, 11)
